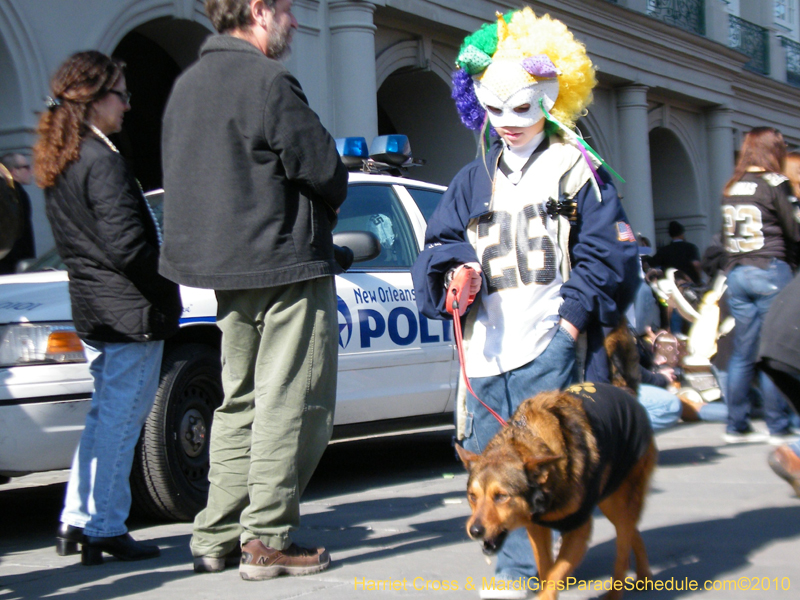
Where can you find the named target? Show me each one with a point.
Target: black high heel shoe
(67, 539)
(122, 547)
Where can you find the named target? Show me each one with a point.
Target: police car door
(393, 362)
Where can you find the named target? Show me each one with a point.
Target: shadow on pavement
(701, 551)
(103, 582)
(348, 527)
(681, 457)
(29, 518)
(350, 467)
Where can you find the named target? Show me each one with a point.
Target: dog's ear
(466, 456)
(532, 462)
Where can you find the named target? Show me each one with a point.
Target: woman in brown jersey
(760, 235)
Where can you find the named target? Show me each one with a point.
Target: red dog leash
(456, 303)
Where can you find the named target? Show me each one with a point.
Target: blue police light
(391, 149)
(353, 151)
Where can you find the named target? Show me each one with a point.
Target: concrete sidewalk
(394, 509)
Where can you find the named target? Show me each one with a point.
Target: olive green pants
(279, 368)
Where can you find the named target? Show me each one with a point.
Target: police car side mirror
(364, 244)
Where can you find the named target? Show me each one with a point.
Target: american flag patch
(624, 232)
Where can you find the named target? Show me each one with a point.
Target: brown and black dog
(563, 454)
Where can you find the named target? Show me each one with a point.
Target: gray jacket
(252, 179)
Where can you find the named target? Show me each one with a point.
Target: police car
(397, 369)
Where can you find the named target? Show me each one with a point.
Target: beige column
(353, 68)
(720, 161)
(637, 192)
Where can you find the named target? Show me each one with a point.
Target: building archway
(417, 103)
(675, 190)
(155, 53)
(589, 127)
(22, 67)
(11, 98)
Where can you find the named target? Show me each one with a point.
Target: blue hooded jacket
(605, 268)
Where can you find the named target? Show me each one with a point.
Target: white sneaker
(778, 439)
(505, 589)
(748, 437)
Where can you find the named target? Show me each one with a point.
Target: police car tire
(167, 482)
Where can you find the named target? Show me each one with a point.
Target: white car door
(393, 362)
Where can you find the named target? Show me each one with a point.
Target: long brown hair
(81, 80)
(763, 147)
(792, 171)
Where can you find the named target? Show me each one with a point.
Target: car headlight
(39, 343)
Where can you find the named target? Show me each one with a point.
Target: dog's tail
(623, 358)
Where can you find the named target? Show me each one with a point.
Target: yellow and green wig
(523, 59)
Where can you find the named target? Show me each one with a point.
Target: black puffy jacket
(106, 236)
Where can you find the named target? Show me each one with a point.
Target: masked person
(538, 221)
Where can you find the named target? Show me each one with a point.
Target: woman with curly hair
(760, 235)
(537, 225)
(122, 308)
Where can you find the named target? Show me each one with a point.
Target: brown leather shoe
(786, 465)
(262, 562)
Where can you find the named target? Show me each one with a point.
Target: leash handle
(457, 297)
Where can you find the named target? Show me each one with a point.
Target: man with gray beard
(252, 185)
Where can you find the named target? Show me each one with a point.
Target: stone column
(353, 68)
(720, 161)
(718, 23)
(634, 138)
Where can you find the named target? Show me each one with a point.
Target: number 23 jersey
(758, 220)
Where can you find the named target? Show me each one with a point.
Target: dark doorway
(150, 74)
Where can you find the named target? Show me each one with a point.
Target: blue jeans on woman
(98, 496)
(554, 369)
(751, 291)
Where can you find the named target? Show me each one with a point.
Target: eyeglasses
(124, 96)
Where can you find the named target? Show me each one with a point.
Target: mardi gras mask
(507, 85)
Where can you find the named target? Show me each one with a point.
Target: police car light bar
(389, 153)
(353, 151)
(393, 150)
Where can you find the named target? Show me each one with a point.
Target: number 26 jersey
(517, 246)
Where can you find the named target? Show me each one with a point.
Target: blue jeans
(662, 406)
(98, 494)
(750, 293)
(714, 411)
(554, 369)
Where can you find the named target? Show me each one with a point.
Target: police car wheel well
(208, 334)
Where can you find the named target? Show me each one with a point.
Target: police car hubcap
(193, 432)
